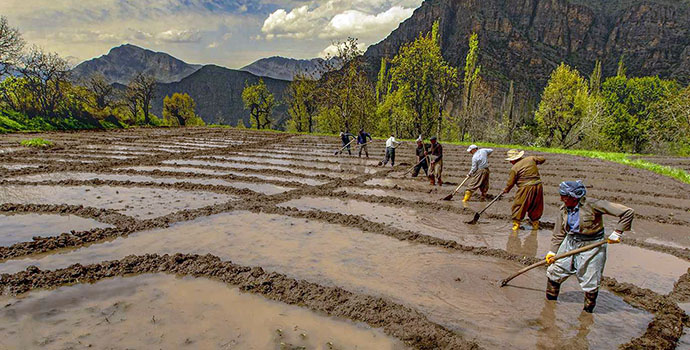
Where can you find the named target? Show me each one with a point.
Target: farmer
(345, 138)
(436, 167)
(479, 171)
(530, 195)
(578, 224)
(362, 142)
(391, 144)
(421, 158)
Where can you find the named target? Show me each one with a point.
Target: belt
(531, 183)
(579, 237)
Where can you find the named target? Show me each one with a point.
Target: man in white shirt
(479, 173)
(391, 144)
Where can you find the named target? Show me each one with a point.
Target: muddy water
(295, 170)
(298, 163)
(144, 203)
(306, 181)
(22, 227)
(18, 166)
(645, 268)
(256, 187)
(162, 311)
(454, 289)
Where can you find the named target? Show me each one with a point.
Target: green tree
(178, 110)
(424, 81)
(140, 93)
(346, 97)
(469, 82)
(564, 105)
(631, 109)
(620, 72)
(595, 79)
(302, 104)
(260, 103)
(11, 46)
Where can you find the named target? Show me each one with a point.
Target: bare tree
(11, 46)
(131, 101)
(143, 88)
(46, 75)
(103, 92)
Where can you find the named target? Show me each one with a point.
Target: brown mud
(305, 163)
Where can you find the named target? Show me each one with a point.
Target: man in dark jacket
(436, 167)
(421, 151)
(362, 142)
(345, 138)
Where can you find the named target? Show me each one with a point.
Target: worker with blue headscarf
(579, 223)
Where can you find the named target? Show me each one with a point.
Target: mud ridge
(107, 216)
(682, 253)
(396, 320)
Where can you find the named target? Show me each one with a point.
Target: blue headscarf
(575, 189)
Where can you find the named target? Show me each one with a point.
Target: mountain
(524, 40)
(286, 68)
(217, 92)
(122, 63)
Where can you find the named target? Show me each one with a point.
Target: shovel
(341, 150)
(412, 168)
(450, 196)
(477, 215)
(557, 257)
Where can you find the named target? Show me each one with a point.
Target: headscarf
(575, 189)
(419, 139)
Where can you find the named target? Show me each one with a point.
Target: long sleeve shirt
(420, 152)
(391, 142)
(587, 219)
(346, 138)
(362, 138)
(524, 172)
(480, 159)
(436, 151)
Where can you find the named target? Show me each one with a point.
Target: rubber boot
(440, 182)
(516, 225)
(590, 301)
(468, 194)
(432, 181)
(482, 198)
(535, 225)
(552, 289)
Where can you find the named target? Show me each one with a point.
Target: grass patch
(37, 143)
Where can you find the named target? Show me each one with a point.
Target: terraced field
(236, 239)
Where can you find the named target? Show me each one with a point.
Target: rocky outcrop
(287, 68)
(122, 63)
(524, 40)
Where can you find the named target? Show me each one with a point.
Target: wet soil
(23, 227)
(391, 240)
(159, 310)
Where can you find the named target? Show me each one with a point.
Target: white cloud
(338, 19)
(332, 50)
(179, 36)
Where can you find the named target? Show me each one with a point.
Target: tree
(621, 68)
(301, 103)
(260, 103)
(11, 46)
(103, 93)
(631, 109)
(46, 76)
(140, 92)
(595, 79)
(471, 74)
(425, 80)
(346, 96)
(178, 110)
(564, 104)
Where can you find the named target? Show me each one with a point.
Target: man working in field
(391, 144)
(579, 223)
(421, 158)
(530, 195)
(436, 167)
(362, 142)
(479, 173)
(345, 138)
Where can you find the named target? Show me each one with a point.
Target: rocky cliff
(286, 68)
(524, 40)
(122, 63)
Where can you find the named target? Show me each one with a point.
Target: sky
(228, 33)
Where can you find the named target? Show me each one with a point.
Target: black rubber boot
(590, 301)
(552, 289)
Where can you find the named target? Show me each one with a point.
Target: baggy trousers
(529, 200)
(587, 266)
(390, 154)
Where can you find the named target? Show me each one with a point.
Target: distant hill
(217, 92)
(124, 62)
(524, 40)
(286, 68)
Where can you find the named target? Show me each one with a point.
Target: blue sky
(228, 33)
